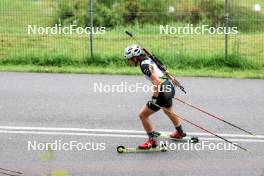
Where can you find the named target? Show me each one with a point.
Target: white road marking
(111, 135)
(119, 131)
(72, 134)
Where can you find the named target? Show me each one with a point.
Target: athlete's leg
(144, 114)
(172, 115)
(178, 133)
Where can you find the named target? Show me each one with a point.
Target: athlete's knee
(169, 112)
(143, 115)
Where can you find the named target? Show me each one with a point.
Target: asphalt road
(46, 108)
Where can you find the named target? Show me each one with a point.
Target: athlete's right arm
(156, 82)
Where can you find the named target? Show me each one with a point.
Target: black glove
(153, 100)
(182, 88)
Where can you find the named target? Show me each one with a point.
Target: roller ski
(149, 146)
(176, 136)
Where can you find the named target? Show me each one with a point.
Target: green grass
(114, 70)
(248, 46)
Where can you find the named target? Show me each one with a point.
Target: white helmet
(132, 51)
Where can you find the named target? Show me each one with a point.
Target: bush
(131, 14)
(111, 13)
(77, 12)
(213, 11)
(154, 12)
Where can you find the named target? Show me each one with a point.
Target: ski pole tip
(128, 33)
(249, 151)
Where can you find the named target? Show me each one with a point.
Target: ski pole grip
(128, 33)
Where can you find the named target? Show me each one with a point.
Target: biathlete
(162, 97)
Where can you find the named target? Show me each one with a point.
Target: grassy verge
(189, 55)
(114, 70)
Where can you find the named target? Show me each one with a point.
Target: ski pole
(214, 116)
(7, 174)
(202, 128)
(159, 63)
(10, 171)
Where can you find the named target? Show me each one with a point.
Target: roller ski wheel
(194, 139)
(120, 149)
